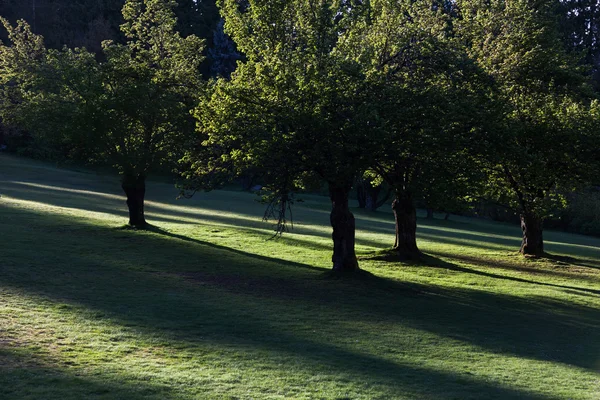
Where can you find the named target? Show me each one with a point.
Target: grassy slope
(207, 307)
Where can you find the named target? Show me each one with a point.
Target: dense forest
(442, 105)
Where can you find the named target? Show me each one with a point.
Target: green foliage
(296, 107)
(539, 141)
(425, 90)
(130, 110)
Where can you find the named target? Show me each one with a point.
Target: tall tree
(130, 111)
(82, 23)
(538, 147)
(294, 108)
(223, 54)
(422, 86)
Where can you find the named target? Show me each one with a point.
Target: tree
(369, 188)
(130, 111)
(423, 89)
(296, 108)
(539, 140)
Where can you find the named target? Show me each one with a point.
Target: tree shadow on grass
(160, 231)
(439, 263)
(36, 377)
(27, 376)
(562, 269)
(111, 202)
(137, 280)
(570, 260)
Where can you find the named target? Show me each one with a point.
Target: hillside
(206, 306)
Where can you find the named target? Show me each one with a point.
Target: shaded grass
(204, 309)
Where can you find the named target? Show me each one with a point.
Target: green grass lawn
(207, 307)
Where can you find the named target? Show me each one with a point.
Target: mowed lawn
(205, 306)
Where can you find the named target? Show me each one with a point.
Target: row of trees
(442, 100)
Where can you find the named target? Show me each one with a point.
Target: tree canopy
(538, 149)
(130, 111)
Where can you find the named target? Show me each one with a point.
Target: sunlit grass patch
(206, 305)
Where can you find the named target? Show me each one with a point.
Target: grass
(206, 307)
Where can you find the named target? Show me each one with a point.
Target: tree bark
(361, 194)
(430, 213)
(405, 214)
(134, 187)
(372, 197)
(533, 238)
(343, 224)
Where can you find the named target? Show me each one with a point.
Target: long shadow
(427, 259)
(570, 260)
(439, 263)
(89, 202)
(94, 201)
(234, 310)
(34, 378)
(162, 232)
(429, 308)
(567, 262)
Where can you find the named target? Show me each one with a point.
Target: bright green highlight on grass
(207, 307)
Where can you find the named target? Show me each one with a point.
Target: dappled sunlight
(202, 210)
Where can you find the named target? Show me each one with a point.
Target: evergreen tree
(222, 54)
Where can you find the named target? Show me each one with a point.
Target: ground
(206, 306)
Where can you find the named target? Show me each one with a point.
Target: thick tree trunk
(405, 214)
(135, 190)
(533, 238)
(343, 224)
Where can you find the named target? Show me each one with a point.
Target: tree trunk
(533, 238)
(372, 196)
(405, 214)
(343, 224)
(135, 190)
(447, 217)
(361, 194)
(430, 213)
